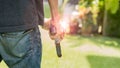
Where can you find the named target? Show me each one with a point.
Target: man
(20, 43)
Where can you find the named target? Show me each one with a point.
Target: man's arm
(55, 28)
(54, 9)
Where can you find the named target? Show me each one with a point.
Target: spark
(65, 25)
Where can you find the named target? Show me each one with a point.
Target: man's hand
(55, 30)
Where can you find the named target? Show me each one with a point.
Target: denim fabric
(21, 49)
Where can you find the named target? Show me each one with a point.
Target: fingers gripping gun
(53, 31)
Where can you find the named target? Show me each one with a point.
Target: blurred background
(92, 38)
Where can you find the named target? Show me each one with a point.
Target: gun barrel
(58, 49)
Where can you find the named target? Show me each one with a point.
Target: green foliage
(113, 25)
(112, 5)
(101, 3)
(110, 8)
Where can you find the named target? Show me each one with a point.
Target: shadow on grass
(98, 40)
(103, 62)
(107, 41)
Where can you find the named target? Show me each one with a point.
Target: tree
(110, 14)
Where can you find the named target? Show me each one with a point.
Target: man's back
(19, 14)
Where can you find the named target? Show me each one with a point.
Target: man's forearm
(54, 8)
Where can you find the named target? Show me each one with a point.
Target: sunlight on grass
(101, 51)
(70, 58)
(77, 50)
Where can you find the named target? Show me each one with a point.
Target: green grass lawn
(83, 52)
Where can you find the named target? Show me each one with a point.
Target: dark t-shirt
(17, 15)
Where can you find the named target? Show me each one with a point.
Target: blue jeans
(21, 49)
